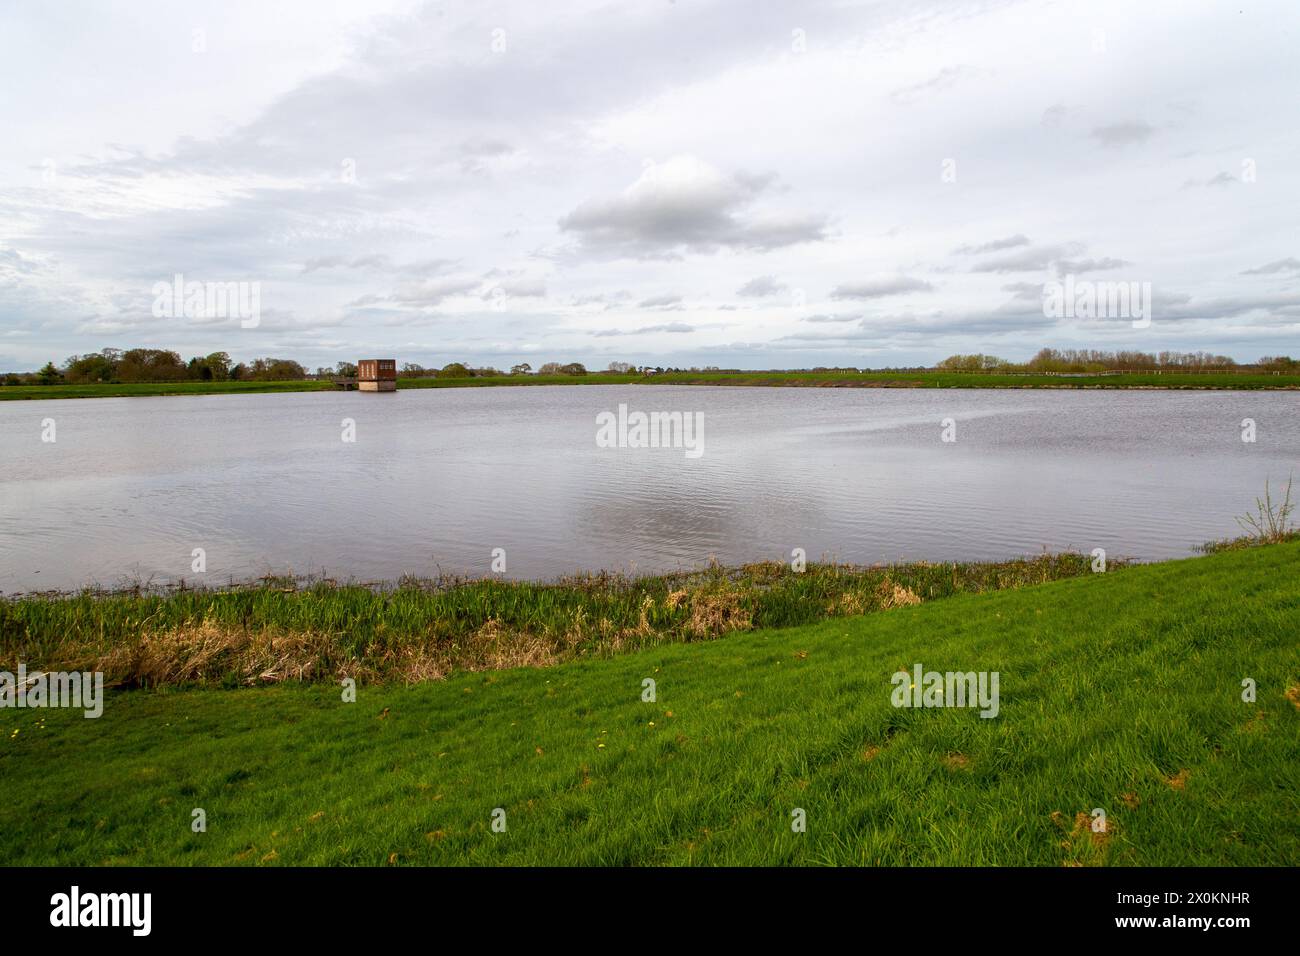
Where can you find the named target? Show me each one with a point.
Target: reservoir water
(436, 479)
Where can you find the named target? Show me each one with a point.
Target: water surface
(438, 478)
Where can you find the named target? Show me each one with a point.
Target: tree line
(113, 366)
(126, 366)
(1094, 360)
(121, 366)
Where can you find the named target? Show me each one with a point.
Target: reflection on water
(437, 478)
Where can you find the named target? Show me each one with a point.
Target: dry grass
(716, 611)
(208, 652)
(276, 630)
(1085, 846)
(211, 653)
(893, 595)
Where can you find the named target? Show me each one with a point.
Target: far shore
(1165, 380)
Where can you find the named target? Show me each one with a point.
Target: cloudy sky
(699, 182)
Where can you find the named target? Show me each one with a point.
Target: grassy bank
(924, 379)
(1118, 691)
(419, 630)
(154, 389)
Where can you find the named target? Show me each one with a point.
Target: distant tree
(276, 370)
(197, 370)
(411, 370)
(523, 368)
(454, 370)
(49, 375)
(94, 367)
(151, 365)
(550, 368)
(238, 373)
(211, 368)
(972, 363)
(619, 368)
(573, 368)
(218, 363)
(345, 370)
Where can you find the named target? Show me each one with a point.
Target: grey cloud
(522, 288)
(761, 287)
(1024, 290)
(1290, 264)
(378, 261)
(485, 146)
(660, 302)
(14, 262)
(1077, 266)
(1004, 321)
(1219, 179)
(1278, 307)
(668, 327)
(945, 79)
(426, 292)
(1054, 115)
(996, 245)
(606, 299)
(878, 288)
(827, 318)
(426, 266)
(1123, 134)
(1030, 259)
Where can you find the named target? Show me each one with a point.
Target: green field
(922, 379)
(1117, 691)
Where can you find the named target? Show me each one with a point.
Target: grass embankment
(925, 379)
(154, 389)
(423, 630)
(1119, 691)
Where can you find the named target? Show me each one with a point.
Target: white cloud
(686, 205)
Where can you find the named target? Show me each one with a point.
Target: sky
(688, 183)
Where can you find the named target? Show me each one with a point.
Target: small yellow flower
(652, 723)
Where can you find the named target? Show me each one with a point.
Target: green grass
(923, 379)
(152, 389)
(1120, 691)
